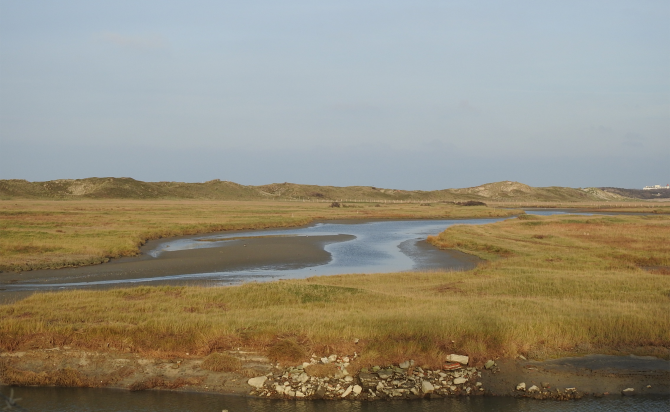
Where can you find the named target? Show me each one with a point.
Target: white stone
(299, 394)
(345, 359)
(332, 358)
(303, 377)
(462, 359)
(380, 386)
(305, 364)
(348, 378)
(357, 389)
(459, 381)
(325, 360)
(257, 382)
(348, 391)
(533, 389)
(279, 389)
(521, 386)
(427, 387)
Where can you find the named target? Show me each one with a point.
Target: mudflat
(289, 252)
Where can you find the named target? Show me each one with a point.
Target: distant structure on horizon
(656, 187)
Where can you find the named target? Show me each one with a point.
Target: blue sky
(413, 95)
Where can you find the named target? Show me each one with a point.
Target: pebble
(427, 387)
(462, 359)
(348, 391)
(257, 382)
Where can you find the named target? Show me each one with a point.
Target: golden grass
(42, 234)
(566, 284)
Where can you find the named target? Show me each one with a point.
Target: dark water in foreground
(88, 400)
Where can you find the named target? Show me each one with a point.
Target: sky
(398, 94)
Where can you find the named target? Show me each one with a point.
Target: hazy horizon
(422, 96)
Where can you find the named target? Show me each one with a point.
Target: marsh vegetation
(553, 285)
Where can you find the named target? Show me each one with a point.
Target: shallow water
(110, 400)
(385, 246)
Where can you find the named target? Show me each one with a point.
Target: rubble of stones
(403, 381)
(546, 392)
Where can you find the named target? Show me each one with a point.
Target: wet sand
(594, 374)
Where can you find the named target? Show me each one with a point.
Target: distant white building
(656, 187)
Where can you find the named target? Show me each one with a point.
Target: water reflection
(108, 400)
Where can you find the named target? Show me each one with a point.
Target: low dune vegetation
(48, 234)
(552, 286)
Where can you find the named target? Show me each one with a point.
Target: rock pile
(402, 381)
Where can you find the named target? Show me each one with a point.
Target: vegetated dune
(128, 188)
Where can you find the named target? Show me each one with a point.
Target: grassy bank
(553, 286)
(41, 234)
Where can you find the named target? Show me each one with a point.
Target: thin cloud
(134, 42)
(633, 140)
(465, 107)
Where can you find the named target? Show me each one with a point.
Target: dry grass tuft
(221, 362)
(286, 350)
(61, 377)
